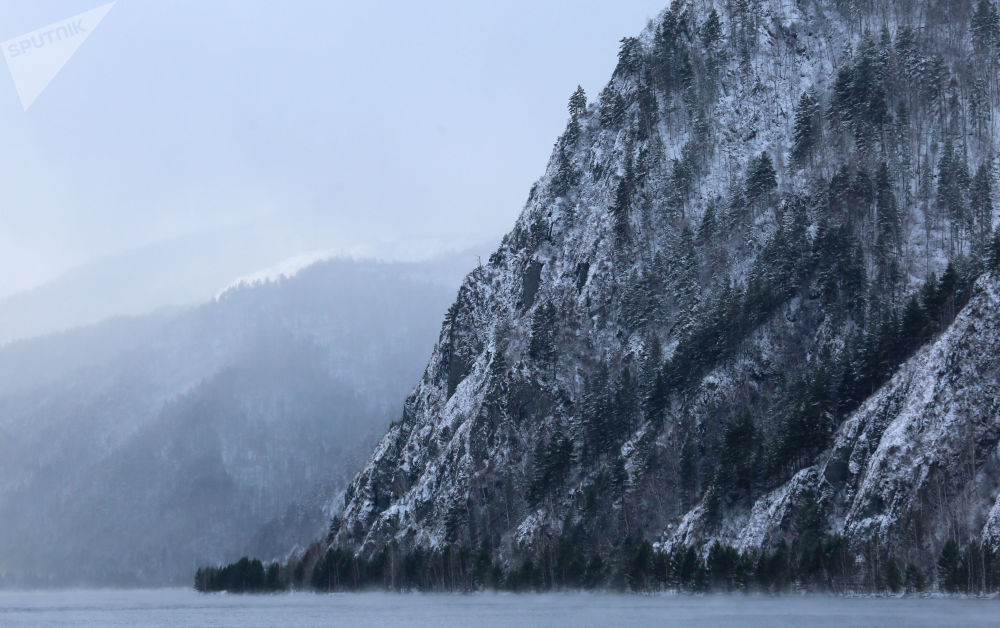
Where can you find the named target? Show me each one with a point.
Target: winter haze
(229, 234)
(186, 144)
(577, 299)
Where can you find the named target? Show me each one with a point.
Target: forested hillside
(136, 449)
(678, 367)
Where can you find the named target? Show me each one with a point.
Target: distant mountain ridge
(133, 450)
(177, 272)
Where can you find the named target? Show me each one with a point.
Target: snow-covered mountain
(690, 334)
(914, 466)
(133, 450)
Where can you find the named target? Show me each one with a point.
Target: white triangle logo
(35, 58)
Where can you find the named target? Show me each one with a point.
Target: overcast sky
(391, 128)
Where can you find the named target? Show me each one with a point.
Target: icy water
(178, 607)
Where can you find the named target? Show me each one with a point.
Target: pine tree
(711, 36)
(542, 348)
(688, 470)
(980, 106)
(953, 182)
(934, 77)
(914, 579)
(577, 103)
(893, 575)
(629, 56)
(681, 179)
(625, 405)
(711, 30)
(761, 179)
(708, 225)
(994, 256)
(621, 207)
(664, 52)
(497, 383)
(738, 471)
(981, 203)
(949, 574)
(684, 276)
(685, 69)
(913, 328)
(985, 26)
(538, 482)
(597, 412)
(807, 128)
(566, 176)
(861, 196)
(649, 366)
(945, 298)
(887, 222)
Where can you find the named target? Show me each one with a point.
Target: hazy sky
(395, 128)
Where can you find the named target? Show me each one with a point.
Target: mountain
(135, 449)
(190, 269)
(916, 462)
(742, 329)
(176, 272)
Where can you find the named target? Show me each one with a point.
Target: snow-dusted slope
(667, 339)
(918, 464)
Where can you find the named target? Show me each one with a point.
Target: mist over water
(180, 607)
(279, 313)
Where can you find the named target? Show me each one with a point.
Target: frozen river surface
(179, 607)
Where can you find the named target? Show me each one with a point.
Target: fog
(229, 232)
(136, 450)
(202, 141)
(581, 610)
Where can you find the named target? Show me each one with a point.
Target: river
(182, 607)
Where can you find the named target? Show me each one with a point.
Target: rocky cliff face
(689, 334)
(915, 466)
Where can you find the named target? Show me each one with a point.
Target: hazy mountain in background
(188, 270)
(135, 449)
(181, 271)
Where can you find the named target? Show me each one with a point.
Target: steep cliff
(689, 334)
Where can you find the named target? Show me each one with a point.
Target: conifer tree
(566, 176)
(914, 578)
(981, 203)
(708, 224)
(688, 469)
(621, 206)
(807, 128)
(738, 447)
(577, 103)
(994, 256)
(761, 179)
(542, 346)
(629, 54)
(953, 182)
(626, 406)
(681, 179)
(685, 277)
(949, 575)
(985, 26)
(711, 30)
(887, 221)
(893, 575)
